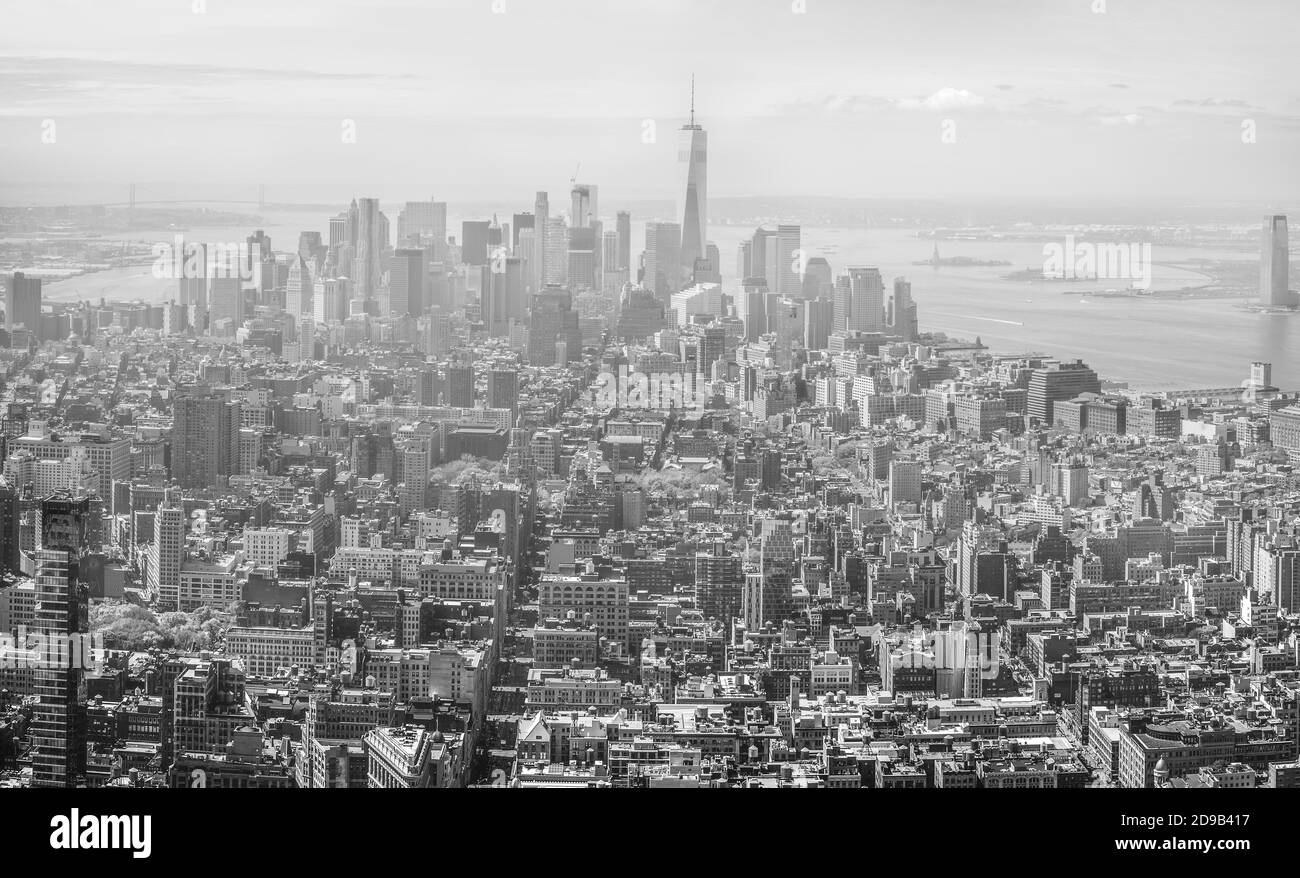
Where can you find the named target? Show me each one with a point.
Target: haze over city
(1050, 100)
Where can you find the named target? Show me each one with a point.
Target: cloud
(1129, 119)
(1214, 103)
(943, 100)
(70, 85)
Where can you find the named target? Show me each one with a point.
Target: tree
(133, 627)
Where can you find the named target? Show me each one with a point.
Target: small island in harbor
(938, 261)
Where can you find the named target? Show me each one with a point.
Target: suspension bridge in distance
(133, 200)
(139, 196)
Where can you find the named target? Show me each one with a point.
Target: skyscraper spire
(692, 190)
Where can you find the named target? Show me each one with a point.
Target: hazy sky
(1047, 98)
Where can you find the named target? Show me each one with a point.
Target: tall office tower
(406, 283)
(501, 296)
(408, 223)
(344, 261)
(330, 300)
(10, 516)
(719, 576)
(556, 255)
(526, 250)
(422, 219)
(663, 259)
(261, 259)
(166, 553)
(460, 385)
(707, 270)
(1069, 480)
(612, 277)
(780, 263)
(23, 303)
(309, 244)
(902, 311)
(744, 258)
(597, 235)
(1276, 571)
(752, 307)
(192, 292)
(819, 314)
(439, 289)
(438, 224)
(497, 236)
(205, 438)
(370, 243)
(712, 347)
(1274, 266)
(841, 304)
(553, 326)
(298, 290)
(860, 301)
(352, 222)
(541, 223)
(416, 457)
(982, 562)
(608, 244)
(363, 238)
(474, 242)
(226, 304)
(751, 259)
(582, 258)
(58, 728)
(437, 337)
(584, 207)
(623, 228)
(519, 222)
(773, 265)
(227, 298)
(1055, 382)
(427, 385)
(640, 315)
(904, 481)
(493, 297)
(818, 282)
(692, 190)
(339, 229)
(503, 391)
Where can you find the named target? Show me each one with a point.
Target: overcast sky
(1046, 98)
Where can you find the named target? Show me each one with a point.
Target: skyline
(1046, 101)
(408, 395)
